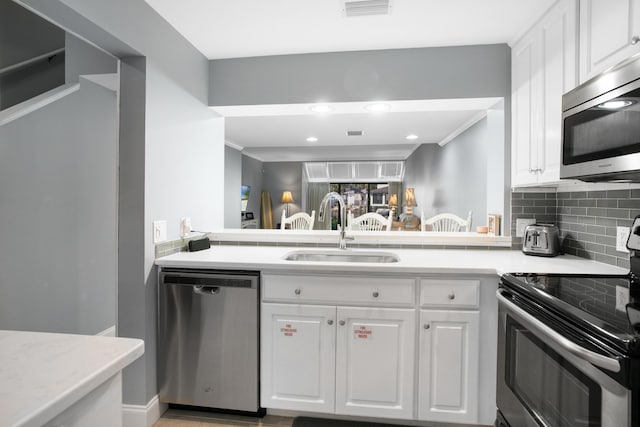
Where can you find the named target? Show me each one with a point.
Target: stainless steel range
(569, 348)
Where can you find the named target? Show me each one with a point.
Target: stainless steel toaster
(541, 240)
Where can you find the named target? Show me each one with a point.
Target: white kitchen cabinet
(543, 65)
(609, 33)
(322, 353)
(449, 366)
(298, 357)
(375, 362)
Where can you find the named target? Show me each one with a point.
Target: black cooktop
(592, 303)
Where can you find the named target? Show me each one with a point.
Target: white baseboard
(143, 416)
(109, 332)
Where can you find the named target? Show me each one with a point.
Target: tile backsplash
(587, 220)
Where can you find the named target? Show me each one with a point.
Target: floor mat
(320, 422)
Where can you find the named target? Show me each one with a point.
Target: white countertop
(43, 374)
(413, 261)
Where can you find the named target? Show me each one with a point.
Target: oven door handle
(534, 324)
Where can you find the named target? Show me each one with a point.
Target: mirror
(452, 150)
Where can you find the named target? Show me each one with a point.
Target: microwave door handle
(534, 324)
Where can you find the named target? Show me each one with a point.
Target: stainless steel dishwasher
(208, 339)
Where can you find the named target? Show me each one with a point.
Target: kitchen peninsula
(421, 319)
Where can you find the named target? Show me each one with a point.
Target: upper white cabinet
(543, 66)
(609, 33)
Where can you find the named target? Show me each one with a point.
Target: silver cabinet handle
(539, 328)
(330, 322)
(376, 294)
(532, 170)
(452, 296)
(426, 326)
(297, 291)
(342, 322)
(635, 39)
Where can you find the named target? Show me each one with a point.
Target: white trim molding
(143, 416)
(109, 332)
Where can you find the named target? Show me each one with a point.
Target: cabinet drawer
(461, 293)
(340, 290)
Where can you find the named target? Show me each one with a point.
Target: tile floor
(185, 418)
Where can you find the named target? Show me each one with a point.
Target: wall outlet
(159, 231)
(622, 234)
(622, 298)
(185, 226)
(521, 224)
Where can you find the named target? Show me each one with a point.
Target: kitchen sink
(341, 256)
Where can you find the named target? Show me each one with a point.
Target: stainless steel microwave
(601, 126)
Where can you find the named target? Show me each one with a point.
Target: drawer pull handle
(376, 294)
(635, 39)
(342, 322)
(330, 322)
(297, 291)
(452, 296)
(426, 326)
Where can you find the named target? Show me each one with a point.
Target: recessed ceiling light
(615, 104)
(412, 136)
(312, 139)
(320, 108)
(378, 107)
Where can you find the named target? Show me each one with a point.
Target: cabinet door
(375, 362)
(607, 31)
(298, 357)
(525, 97)
(558, 38)
(448, 366)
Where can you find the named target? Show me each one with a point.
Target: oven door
(546, 379)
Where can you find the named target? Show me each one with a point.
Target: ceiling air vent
(352, 8)
(355, 133)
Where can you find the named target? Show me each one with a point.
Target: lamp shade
(409, 197)
(393, 201)
(286, 197)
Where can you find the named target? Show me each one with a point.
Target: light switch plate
(521, 224)
(159, 231)
(622, 298)
(622, 234)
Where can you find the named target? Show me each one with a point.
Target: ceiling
(242, 28)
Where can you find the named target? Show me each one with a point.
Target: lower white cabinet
(343, 360)
(298, 344)
(449, 366)
(375, 362)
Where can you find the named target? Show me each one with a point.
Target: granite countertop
(412, 261)
(43, 374)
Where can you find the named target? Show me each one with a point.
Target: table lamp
(393, 204)
(409, 200)
(286, 199)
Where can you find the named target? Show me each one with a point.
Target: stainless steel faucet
(342, 243)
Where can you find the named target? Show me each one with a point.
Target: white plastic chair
(446, 222)
(369, 222)
(298, 221)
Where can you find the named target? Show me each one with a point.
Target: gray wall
(396, 74)
(232, 183)
(180, 149)
(24, 35)
(252, 171)
(452, 178)
(279, 177)
(82, 58)
(58, 210)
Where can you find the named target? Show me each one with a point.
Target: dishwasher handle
(208, 279)
(206, 290)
